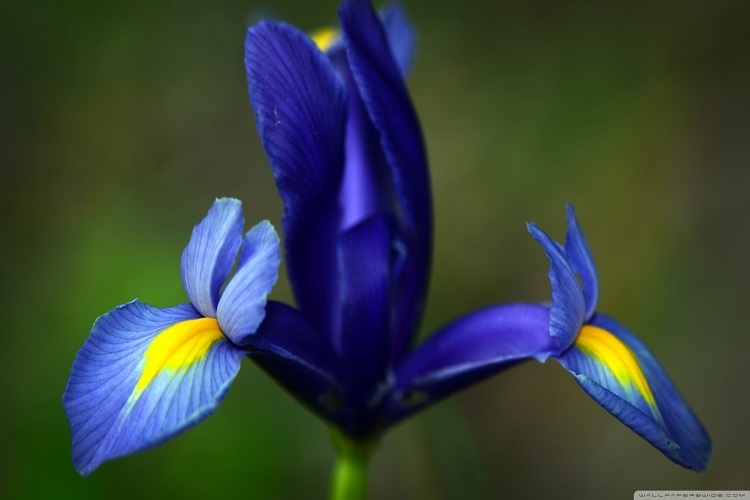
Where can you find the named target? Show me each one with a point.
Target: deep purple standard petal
(142, 376)
(291, 350)
(667, 423)
(300, 110)
(209, 256)
(568, 307)
(242, 304)
(401, 36)
(580, 257)
(365, 338)
(467, 350)
(390, 109)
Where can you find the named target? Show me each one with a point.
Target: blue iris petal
(242, 304)
(209, 256)
(673, 428)
(109, 415)
(379, 83)
(568, 308)
(300, 111)
(365, 259)
(580, 257)
(401, 36)
(296, 354)
(467, 350)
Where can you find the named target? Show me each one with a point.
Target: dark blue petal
(242, 304)
(300, 110)
(390, 109)
(292, 351)
(143, 376)
(568, 307)
(616, 369)
(364, 263)
(580, 257)
(209, 256)
(401, 36)
(467, 350)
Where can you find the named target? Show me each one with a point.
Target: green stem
(349, 480)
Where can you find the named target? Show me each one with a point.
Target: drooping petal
(142, 376)
(580, 257)
(291, 350)
(401, 36)
(568, 307)
(390, 109)
(364, 263)
(242, 304)
(616, 369)
(467, 350)
(209, 256)
(300, 111)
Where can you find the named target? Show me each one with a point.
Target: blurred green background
(121, 122)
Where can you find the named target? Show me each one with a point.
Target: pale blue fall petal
(568, 307)
(620, 373)
(582, 260)
(143, 375)
(209, 256)
(243, 301)
(300, 111)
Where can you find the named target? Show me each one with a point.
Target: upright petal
(300, 110)
(364, 263)
(143, 376)
(387, 102)
(467, 350)
(401, 36)
(291, 350)
(242, 304)
(568, 307)
(580, 257)
(616, 369)
(209, 256)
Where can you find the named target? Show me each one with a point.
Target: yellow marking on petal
(618, 358)
(178, 347)
(324, 38)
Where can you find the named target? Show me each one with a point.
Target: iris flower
(346, 151)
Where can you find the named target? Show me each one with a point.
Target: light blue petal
(568, 307)
(401, 36)
(243, 301)
(209, 256)
(122, 397)
(652, 407)
(580, 257)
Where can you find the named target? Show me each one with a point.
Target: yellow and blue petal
(242, 304)
(620, 373)
(142, 376)
(568, 310)
(582, 260)
(210, 254)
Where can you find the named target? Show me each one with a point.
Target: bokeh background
(121, 122)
